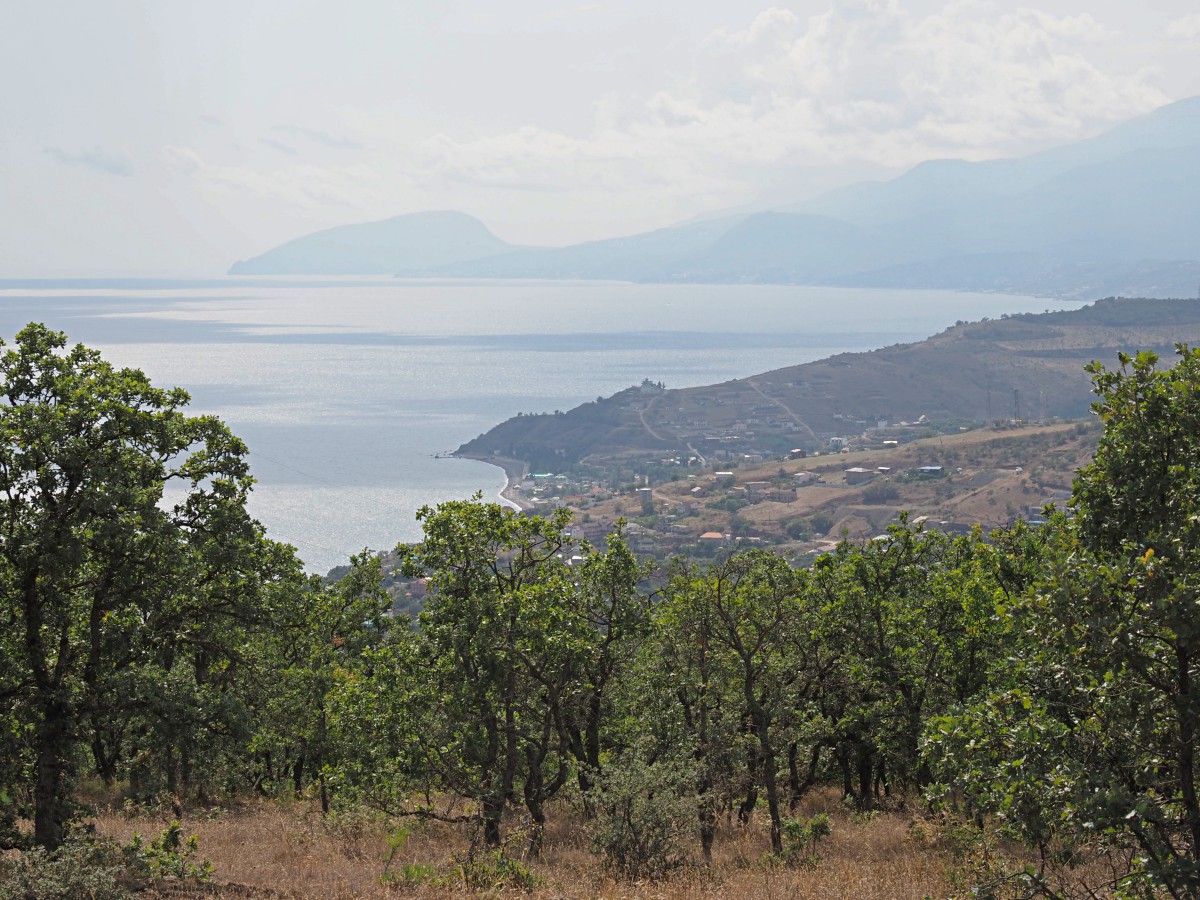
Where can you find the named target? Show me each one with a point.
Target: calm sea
(345, 390)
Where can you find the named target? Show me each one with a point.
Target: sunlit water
(345, 390)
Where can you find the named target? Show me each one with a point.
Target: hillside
(1022, 367)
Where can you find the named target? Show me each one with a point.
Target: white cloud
(96, 159)
(301, 185)
(864, 81)
(1186, 28)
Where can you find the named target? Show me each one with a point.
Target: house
(858, 475)
(755, 489)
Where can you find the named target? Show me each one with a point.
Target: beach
(515, 471)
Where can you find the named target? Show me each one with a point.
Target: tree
(487, 723)
(318, 642)
(679, 691)
(1088, 743)
(908, 614)
(124, 540)
(756, 609)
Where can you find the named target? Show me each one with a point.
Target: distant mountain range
(1118, 214)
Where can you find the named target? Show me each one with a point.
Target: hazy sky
(176, 137)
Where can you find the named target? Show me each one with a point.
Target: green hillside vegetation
(1024, 699)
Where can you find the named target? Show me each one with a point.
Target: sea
(349, 392)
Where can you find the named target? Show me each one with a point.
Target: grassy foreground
(274, 849)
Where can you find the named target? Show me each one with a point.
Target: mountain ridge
(970, 373)
(1119, 212)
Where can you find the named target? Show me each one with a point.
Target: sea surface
(345, 390)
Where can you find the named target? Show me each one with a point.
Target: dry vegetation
(993, 476)
(274, 849)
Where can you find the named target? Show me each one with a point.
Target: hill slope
(1027, 366)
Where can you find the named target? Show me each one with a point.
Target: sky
(172, 138)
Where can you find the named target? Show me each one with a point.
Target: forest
(1035, 689)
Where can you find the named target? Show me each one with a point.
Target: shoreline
(514, 470)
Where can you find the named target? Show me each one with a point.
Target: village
(726, 493)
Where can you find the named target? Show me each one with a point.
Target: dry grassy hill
(1025, 367)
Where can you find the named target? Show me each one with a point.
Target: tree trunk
(491, 809)
(1187, 751)
(767, 765)
(298, 775)
(52, 787)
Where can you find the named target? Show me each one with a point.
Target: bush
(645, 813)
(489, 869)
(798, 529)
(78, 868)
(800, 839)
(168, 855)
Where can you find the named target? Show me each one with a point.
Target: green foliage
(324, 637)
(78, 868)
(169, 855)
(1085, 747)
(821, 523)
(801, 838)
(84, 866)
(645, 815)
(409, 873)
(491, 869)
(882, 492)
(124, 609)
(799, 529)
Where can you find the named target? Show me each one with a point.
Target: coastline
(515, 471)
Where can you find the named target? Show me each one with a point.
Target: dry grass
(274, 849)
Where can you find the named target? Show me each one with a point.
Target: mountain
(939, 185)
(1115, 214)
(1029, 365)
(418, 240)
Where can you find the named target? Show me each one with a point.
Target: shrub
(821, 523)
(168, 855)
(800, 839)
(798, 529)
(644, 815)
(490, 869)
(79, 868)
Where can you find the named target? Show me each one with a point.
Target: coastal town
(732, 494)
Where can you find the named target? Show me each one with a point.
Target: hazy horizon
(159, 139)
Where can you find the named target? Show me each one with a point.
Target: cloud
(337, 142)
(286, 149)
(864, 80)
(95, 159)
(1186, 28)
(302, 185)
